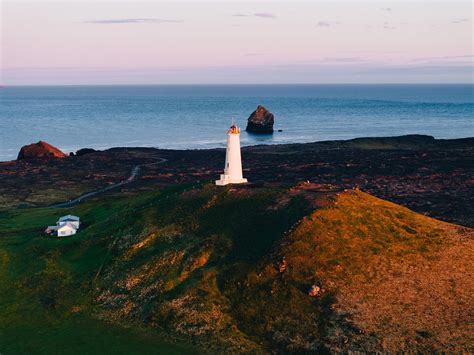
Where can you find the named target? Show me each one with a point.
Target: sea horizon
(254, 84)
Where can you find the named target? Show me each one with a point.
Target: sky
(246, 42)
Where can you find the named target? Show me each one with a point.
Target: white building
(66, 225)
(66, 229)
(233, 162)
(74, 220)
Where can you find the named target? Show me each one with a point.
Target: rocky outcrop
(39, 151)
(260, 121)
(85, 151)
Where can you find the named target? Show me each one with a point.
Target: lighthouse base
(227, 179)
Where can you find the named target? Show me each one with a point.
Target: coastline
(427, 175)
(413, 140)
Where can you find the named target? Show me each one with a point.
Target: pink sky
(107, 42)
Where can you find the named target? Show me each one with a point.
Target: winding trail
(133, 175)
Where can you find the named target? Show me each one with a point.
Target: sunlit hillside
(231, 270)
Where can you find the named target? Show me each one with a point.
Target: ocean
(198, 116)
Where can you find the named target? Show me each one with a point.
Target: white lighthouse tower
(233, 163)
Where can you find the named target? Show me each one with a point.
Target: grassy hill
(200, 265)
(390, 280)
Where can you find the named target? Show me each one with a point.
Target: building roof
(69, 217)
(67, 224)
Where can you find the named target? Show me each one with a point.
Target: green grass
(80, 335)
(43, 277)
(193, 263)
(194, 234)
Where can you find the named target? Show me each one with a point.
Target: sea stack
(233, 162)
(39, 151)
(260, 121)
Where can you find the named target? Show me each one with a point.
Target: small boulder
(314, 291)
(39, 151)
(260, 121)
(282, 265)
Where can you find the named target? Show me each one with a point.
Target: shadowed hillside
(204, 266)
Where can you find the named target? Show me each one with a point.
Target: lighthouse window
(227, 164)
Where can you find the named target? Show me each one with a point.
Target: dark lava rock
(260, 121)
(39, 151)
(85, 151)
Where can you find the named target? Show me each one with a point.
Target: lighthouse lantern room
(233, 163)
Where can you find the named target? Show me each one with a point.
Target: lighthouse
(233, 163)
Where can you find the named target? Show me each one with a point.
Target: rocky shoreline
(427, 175)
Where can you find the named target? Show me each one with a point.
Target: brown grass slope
(392, 280)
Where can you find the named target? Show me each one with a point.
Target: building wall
(233, 163)
(66, 231)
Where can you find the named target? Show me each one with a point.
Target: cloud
(460, 20)
(429, 73)
(323, 24)
(384, 26)
(309, 73)
(378, 52)
(253, 54)
(444, 58)
(342, 60)
(327, 23)
(133, 20)
(264, 15)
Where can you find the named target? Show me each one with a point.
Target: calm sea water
(182, 117)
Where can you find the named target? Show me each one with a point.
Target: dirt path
(133, 175)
